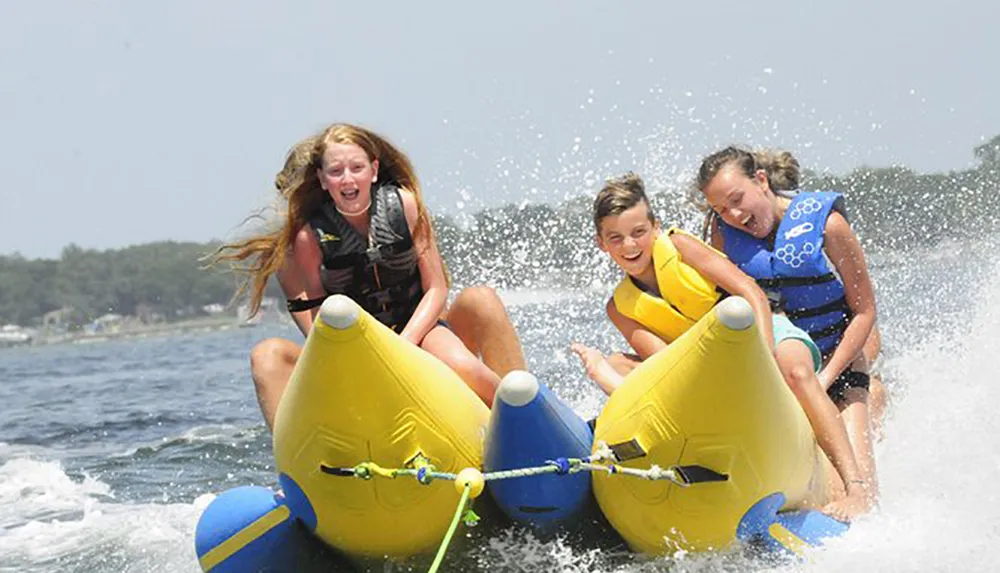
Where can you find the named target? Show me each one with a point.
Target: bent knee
(464, 363)
(469, 367)
(798, 376)
(854, 396)
(478, 299)
(273, 353)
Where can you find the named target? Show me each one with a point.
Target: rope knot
(562, 465)
(422, 476)
(363, 471)
(602, 453)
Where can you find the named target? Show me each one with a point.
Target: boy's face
(628, 237)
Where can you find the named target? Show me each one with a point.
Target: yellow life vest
(686, 295)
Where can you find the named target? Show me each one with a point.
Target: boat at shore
(12, 335)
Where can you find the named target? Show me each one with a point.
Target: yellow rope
(451, 531)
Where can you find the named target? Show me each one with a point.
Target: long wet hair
(780, 167)
(263, 255)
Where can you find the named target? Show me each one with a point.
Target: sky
(124, 121)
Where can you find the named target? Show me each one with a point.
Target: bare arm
(432, 279)
(715, 236)
(293, 287)
(844, 250)
(300, 277)
(644, 342)
(719, 270)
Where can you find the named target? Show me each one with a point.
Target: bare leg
(271, 364)
(478, 318)
(796, 364)
(878, 398)
(835, 485)
(854, 411)
(443, 343)
(873, 346)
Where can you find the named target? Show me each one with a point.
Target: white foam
(940, 508)
(521, 297)
(210, 433)
(53, 522)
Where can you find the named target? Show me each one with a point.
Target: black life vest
(379, 272)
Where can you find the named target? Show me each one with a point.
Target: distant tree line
(890, 208)
(898, 208)
(531, 245)
(162, 279)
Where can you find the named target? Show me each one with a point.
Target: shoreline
(214, 323)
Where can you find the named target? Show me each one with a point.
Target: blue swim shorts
(785, 330)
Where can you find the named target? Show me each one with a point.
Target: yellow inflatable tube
(361, 393)
(714, 398)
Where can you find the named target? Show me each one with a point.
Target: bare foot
(857, 502)
(598, 368)
(591, 357)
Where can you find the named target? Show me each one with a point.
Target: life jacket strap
(834, 328)
(400, 300)
(784, 282)
(839, 304)
(300, 304)
(409, 291)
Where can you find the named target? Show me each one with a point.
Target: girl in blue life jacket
(355, 224)
(783, 176)
(800, 249)
(656, 303)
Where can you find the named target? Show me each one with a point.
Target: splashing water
(116, 481)
(86, 509)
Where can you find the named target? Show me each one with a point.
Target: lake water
(109, 451)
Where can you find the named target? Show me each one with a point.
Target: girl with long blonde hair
(356, 224)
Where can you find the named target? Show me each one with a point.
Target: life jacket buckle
(775, 299)
(381, 297)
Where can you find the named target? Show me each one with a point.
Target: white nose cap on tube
(735, 313)
(518, 388)
(340, 312)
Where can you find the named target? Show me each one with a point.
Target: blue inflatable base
(251, 529)
(529, 435)
(786, 532)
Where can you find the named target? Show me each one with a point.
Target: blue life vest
(795, 271)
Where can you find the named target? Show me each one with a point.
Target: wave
(54, 522)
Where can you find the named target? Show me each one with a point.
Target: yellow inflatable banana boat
(360, 393)
(714, 407)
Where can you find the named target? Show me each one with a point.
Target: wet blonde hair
(299, 158)
(619, 195)
(263, 255)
